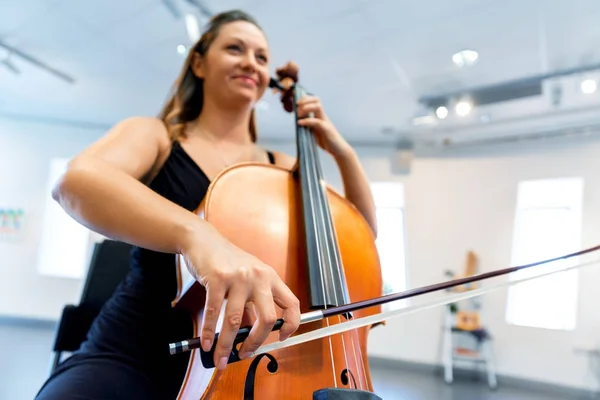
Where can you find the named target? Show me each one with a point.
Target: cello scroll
(288, 76)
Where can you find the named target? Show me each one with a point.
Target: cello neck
(327, 281)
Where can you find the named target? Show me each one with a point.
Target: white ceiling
(369, 61)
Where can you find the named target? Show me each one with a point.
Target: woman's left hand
(325, 132)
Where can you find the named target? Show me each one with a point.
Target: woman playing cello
(140, 183)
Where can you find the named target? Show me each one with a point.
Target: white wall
(453, 204)
(468, 202)
(25, 152)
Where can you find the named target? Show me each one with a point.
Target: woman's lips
(247, 80)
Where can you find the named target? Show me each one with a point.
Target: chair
(108, 266)
(465, 323)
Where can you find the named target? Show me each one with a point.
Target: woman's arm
(102, 190)
(356, 185)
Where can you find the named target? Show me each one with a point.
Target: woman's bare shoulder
(135, 145)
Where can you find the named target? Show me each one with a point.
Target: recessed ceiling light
(588, 86)
(465, 58)
(181, 49)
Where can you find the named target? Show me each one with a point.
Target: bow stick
(360, 322)
(207, 356)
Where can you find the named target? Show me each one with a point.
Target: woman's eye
(238, 49)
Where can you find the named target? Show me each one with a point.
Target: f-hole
(344, 377)
(272, 367)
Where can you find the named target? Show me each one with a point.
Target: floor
(26, 357)
(418, 385)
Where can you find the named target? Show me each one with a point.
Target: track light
(441, 112)
(463, 108)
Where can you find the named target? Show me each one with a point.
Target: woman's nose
(249, 61)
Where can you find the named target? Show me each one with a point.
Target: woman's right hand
(226, 271)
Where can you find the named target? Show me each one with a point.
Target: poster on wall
(11, 223)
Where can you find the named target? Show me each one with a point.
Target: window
(64, 248)
(547, 224)
(389, 203)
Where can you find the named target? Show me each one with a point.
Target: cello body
(258, 208)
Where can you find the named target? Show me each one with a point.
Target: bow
(207, 356)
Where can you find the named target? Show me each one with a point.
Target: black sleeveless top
(137, 324)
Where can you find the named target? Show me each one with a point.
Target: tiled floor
(25, 360)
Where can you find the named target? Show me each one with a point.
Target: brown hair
(185, 102)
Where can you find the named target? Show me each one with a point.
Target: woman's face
(236, 66)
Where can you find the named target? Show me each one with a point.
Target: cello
(321, 247)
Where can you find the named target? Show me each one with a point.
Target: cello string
(354, 339)
(310, 138)
(372, 319)
(304, 136)
(362, 360)
(322, 248)
(333, 255)
(334, 262)
(354, 333)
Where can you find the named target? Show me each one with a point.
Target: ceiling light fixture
(441, 112)
(181, 49)
(463, 108)
(192, 27)
(465, 58)
(588, 86)
(11, 51)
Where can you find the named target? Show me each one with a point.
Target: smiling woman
(217, 74)
(140, 184)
